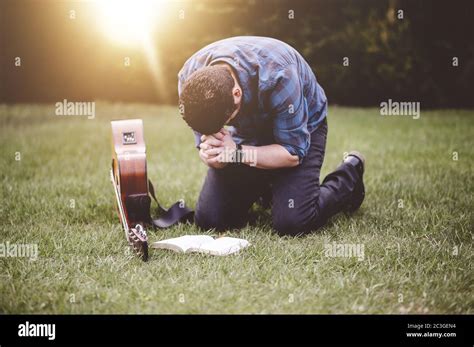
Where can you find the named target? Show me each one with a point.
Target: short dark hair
(206, 101)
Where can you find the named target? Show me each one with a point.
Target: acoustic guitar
(133, 188)
(129, 177)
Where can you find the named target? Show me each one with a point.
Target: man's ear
(237, 93)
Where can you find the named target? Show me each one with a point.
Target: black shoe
(356, 159)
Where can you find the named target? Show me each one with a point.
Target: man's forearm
(268, 157)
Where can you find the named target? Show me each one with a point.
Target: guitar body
(130, 177)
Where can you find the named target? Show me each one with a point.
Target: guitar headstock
(138, 240)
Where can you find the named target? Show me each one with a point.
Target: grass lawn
(416, 224)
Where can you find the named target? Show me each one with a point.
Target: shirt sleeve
(197, 139)
(290, 112)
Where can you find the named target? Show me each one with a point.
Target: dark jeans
(299, 203)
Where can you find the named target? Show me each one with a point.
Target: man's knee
(294, 224)
(286, 226)
(208, 218)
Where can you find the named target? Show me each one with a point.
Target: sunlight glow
(129, 22)
(132, 23)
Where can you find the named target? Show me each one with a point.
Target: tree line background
(405, 59)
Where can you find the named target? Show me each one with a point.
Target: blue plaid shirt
(282, 101)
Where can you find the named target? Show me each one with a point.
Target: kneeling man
(274, 143)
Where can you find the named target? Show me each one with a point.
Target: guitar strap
(177, 213)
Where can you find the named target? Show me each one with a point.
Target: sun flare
(128, 22)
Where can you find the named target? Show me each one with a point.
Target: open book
(202, 244)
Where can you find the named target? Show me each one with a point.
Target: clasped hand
(212, 148)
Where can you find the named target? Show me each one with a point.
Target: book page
(183, 243)
(221, 246)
